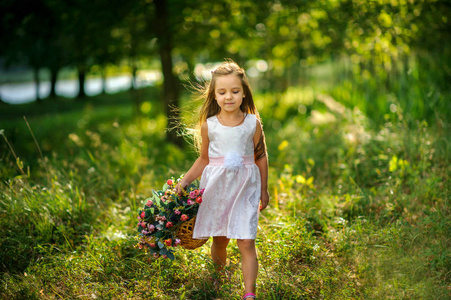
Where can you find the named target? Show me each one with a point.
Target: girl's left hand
(264, 199)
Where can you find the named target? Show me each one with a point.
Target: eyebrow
(237, 87)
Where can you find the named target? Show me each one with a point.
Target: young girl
(234, 169)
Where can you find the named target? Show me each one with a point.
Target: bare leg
(249, 264)
(219, 251)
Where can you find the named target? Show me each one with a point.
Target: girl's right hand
(180, 187)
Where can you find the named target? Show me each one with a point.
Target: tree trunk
(103, 75)
(37, 83)
(53, 78)
(134, 71)
(170, 83)
(81, 82)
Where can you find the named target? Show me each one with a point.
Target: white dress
(232, 183)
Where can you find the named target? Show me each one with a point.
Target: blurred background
(84, 48)
(355, 98)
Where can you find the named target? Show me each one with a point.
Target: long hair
(211, 108)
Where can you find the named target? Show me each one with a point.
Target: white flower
(233, 160)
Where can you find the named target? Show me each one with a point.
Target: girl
(234, 168)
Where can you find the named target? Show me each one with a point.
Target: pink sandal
(249, 295)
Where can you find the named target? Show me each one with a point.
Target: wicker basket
(185, 234)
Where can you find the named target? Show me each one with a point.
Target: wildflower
(192, 195)
(140, 246)
(190, 202)
(163, 218)
(202, 191)
(151, 227)
(170, 182)
(165, 256)
(199, 200)
(168, 242)
(149, 203)
(143, 214)
(164, 198)
(156, 255)
(177, 212)
(144, 232)
(184, 217)
(169, 224)
(143, 225)
(177, 241)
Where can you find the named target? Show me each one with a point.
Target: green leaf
(160, 245)
(170, 255)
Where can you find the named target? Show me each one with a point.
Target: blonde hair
(211, 108)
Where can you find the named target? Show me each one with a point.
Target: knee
(246, 245)
(220, 241)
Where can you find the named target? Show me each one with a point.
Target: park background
(355, 101)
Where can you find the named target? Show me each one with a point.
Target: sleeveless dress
(231, 181)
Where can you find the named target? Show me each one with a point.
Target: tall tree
(171, 88)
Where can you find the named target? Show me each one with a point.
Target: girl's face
(229, 92)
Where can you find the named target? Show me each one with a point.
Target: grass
(358, 211)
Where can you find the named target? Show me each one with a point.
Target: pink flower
(169, 224)
(177, 212)
(192, 195)
(163, 218)
(170, 181)
(143, 214)
(149, 203)
(202, 191)
(143, 224)
(140, 246)
(190, 202)
(165, 256)
(199, 200)
(164, 198)
(156, 255)
(184, 217)
(168, 242)
(177, 241)
(152, 245)
(151, 227)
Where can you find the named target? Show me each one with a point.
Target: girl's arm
(198, 167)
(262, 165)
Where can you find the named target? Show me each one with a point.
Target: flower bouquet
(162, 221)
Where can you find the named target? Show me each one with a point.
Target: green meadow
(359, 182)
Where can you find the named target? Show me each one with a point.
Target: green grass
(358, 210)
